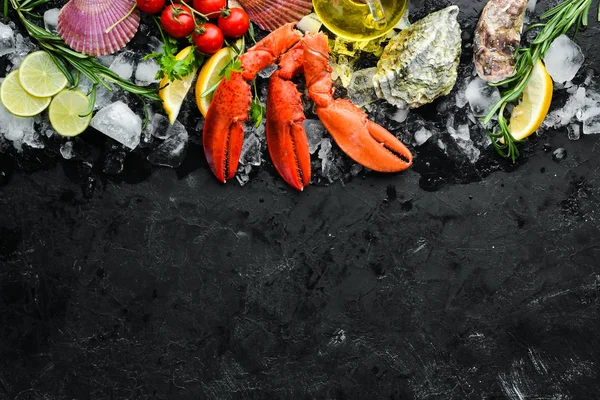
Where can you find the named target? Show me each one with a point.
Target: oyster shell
(497, 36)
(98, 27)
(420, 63)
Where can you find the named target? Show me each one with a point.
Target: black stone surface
(441, 282)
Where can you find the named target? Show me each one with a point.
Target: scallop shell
(271, 14)
(83, 25)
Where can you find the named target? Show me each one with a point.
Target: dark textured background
(442, 282)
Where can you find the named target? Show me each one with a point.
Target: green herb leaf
(257, 111)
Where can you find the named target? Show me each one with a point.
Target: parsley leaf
(170, 66)
(257, 111)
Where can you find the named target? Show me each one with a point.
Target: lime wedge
(40, 76)
(18, 101)
(65, 110)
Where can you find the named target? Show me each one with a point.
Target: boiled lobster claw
(362, 140)
(366, 142)
(223, 133)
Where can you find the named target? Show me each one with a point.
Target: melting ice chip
(422, 135)
(117, 121)
(314, 133)
(7, 39)
(123, 64)
(563, 59)
(172, 151)
(251, 151)
(51, 19)
(145, 72)
(16, 129)
(481, 96)
(66, 150)
(267, 71)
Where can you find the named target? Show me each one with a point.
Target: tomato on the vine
(150, 6)
(177, 20)
(234, 22)
(208, 38)
(210, 8)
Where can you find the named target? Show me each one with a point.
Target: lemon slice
(18, 101)
(40, 76)
(65, 110)
(210, 75)
(529, 114)
(174, 92)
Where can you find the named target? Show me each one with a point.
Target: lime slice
(18, 101)
(40, 76)
(65, 111)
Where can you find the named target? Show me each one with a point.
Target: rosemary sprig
(560, 19)
(64, 56)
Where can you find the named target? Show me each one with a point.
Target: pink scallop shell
(82, 25)
(271, 14)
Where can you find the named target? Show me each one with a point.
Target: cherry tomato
(234, 22)
(208, 38)
(177, 20)
(150, 6)
(211, 8)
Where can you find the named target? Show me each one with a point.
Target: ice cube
(118, 122)
(361, 89)
(145, 73)
(155, 45)
(7, 39)
(481, 96)
(66, 150)
(559, 154)
(243, 174)
(123, 64)
(422, 135)
(267, 71)
(563, 59)
(33, 139)
(400, 115)
(162, 128)
(591, 125)
(173, 150)
(462, 138)
(23, 46)
(251, 154)
(574, 132)
(15, 128)
(51, 19)
(114, 162)
(314, 133)
(531, 5)
(325, 149)
(563, 116)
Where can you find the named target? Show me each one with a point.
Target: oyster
(420, 63)
(497, 36)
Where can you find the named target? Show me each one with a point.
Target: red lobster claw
(366, 142)
(286, 139)
(223, 132)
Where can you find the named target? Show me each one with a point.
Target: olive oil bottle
(360, 19)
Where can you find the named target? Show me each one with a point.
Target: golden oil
(360, 19)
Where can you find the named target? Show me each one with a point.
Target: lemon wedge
(173, 93)
(18, 101)
(66, 112)
(40, 76)
(529, 114)
(210, 75)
